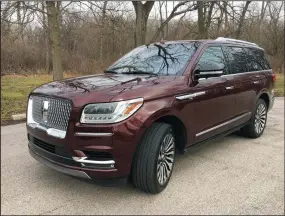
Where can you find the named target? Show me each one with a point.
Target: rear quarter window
(252, 63)
(237, 59)
(261, 58)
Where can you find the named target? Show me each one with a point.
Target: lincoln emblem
(45, 110)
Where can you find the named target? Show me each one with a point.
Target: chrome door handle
(229, 87)
(255, 82)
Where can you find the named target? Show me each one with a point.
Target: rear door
(245, 94)
(256, 69)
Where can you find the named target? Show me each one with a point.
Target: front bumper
(73, 152)
(71, 166)
(68, 171)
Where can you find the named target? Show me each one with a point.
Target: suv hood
(105, 87)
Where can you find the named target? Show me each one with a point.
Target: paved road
(234, 175)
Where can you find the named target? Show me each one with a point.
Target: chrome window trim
(223, 124)
(227, 75)
(190, 96)
(93, 134)
(250, 72)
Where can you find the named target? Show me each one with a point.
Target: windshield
(159, 59)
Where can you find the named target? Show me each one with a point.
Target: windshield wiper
(110, 71)
(140, 72)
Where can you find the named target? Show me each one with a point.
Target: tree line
(86, 36)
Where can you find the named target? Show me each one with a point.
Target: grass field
(15, 90)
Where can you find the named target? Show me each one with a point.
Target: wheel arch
(169, 117)
(265, 96)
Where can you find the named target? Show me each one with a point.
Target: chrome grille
(57, 115)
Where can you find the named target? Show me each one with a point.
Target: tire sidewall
(157, 185)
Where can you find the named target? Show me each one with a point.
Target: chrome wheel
(165, 159)
(260, 118)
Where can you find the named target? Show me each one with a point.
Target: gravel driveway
(233, 175)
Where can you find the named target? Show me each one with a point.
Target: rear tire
(257, 123)
(154, 159)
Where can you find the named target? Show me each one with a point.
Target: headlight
(110, 112)
(29, 110)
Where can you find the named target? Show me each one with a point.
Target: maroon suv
(155, 100)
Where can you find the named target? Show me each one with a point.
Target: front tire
(154, 159)
(257, 124)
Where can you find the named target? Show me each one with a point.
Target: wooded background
(85, 37)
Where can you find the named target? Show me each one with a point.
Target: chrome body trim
(190, 96)
(200, 79)
(210, 73)
(93, 134)
(50, 131)
(83, 160)
(230, 87)
(223, 124)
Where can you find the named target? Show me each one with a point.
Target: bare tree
(142, 14)
(205, 11)
(241, 20)
(175, 12)
(161, 17)
(89, 36)
(201, 19)
(53, 22)
(48, 65)
(102, 29)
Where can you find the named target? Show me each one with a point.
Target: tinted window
(252, 63)
(213, 55)
(260, 58)
(164, 59)
(237, 60)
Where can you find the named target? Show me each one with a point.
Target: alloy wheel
(165, 159)
(260, 118)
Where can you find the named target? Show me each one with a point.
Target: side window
(214, 55)
(260, 58)
(237, 59)
(252, 63)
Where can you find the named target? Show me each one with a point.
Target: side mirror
(209, 70)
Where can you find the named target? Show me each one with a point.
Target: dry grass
(16, 88)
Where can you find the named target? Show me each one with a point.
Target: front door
(212, 100)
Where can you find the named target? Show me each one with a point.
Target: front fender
(154, 110)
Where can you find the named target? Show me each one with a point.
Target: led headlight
(110, 112)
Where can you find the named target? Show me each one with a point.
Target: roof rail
(235, 41)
